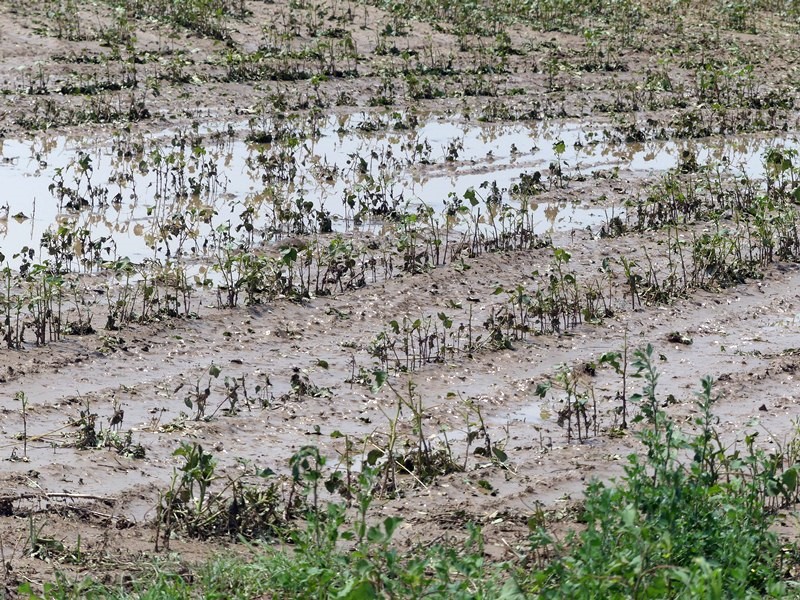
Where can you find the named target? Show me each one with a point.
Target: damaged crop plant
(689, 518)
(368, 299)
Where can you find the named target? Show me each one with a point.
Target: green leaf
(337, 434)
(289, 255)
(333, 482)
(390, 524)
(789, 479)
(511, 591)
(471, 197)
(561, 255)
(373, 456)
(322, 364)
(374, 535)
(380, 378)
(26, 591)
(214, 371)
(358, 590)
(612, 359)
(534, 524)
(629, 515)
(773, 487)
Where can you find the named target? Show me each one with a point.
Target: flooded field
(400, 239)
(121, 195)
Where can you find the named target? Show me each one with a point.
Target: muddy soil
(305, 365)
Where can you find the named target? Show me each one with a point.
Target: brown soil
(745, 335)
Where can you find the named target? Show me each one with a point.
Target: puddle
(789, 322)
(530, 414)
(128, 194)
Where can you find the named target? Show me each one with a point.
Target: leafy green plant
(673, 526)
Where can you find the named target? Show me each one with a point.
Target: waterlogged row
(754, 223)
(157, 198)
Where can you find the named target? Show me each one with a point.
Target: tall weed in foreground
(320, 565)
(687, 520)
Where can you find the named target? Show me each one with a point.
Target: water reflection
(160, 196)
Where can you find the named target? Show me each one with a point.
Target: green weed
(688, 519)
